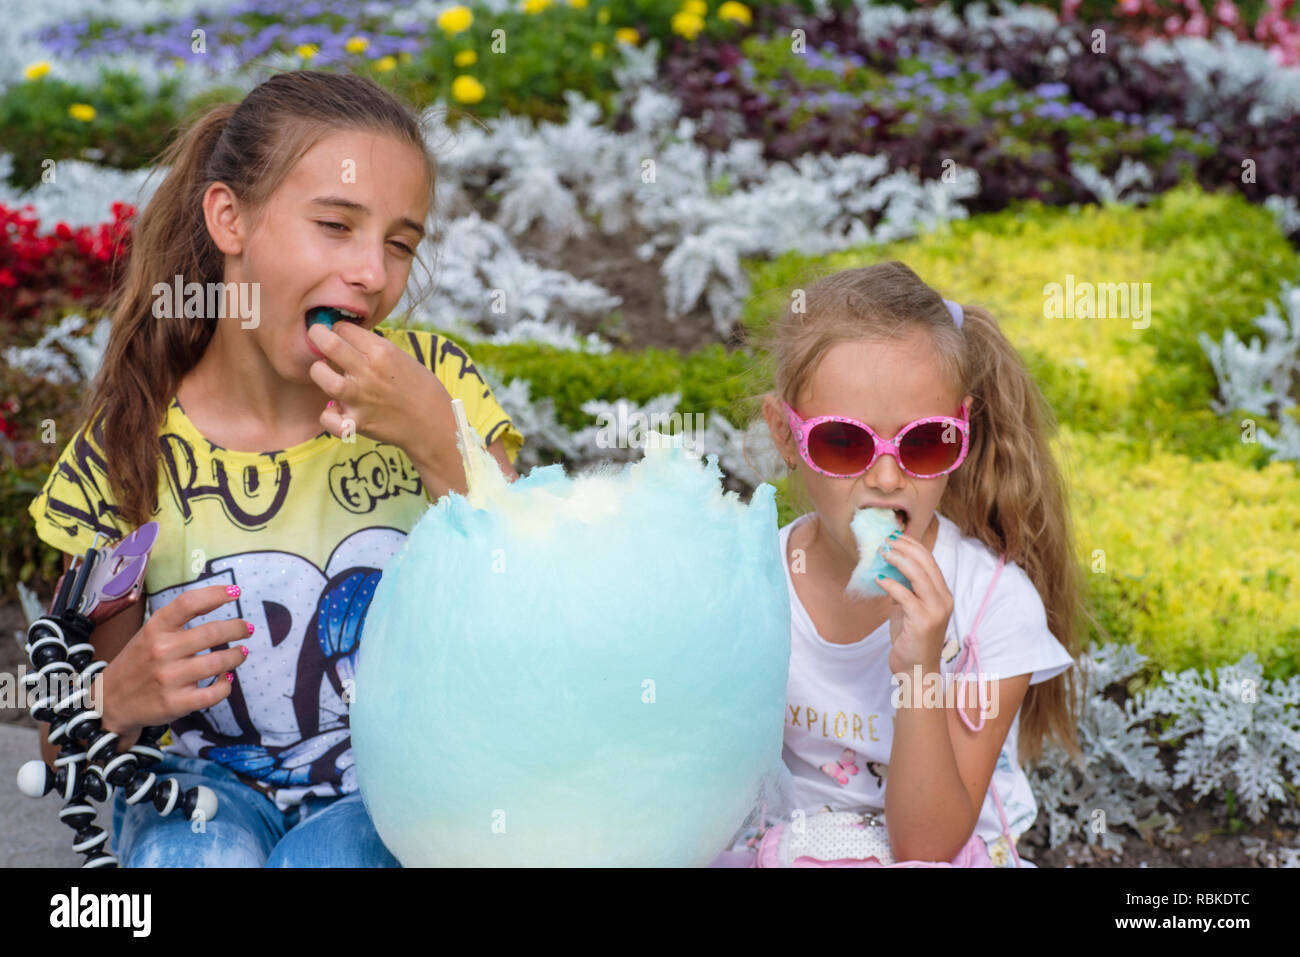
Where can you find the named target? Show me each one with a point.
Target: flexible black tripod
(88, 767)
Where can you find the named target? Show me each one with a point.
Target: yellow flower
(455, 19)
(697, 7)
(37, 70)
(602, 15)
(306, 50)
(536, 6)
(466, 89)
(356, 44)
(82, 111)
(598, 51)
(465, 58)
(627, 35)
(580, 4)
(180, 64)
(385, 63)
(686, 24)
(737, 12)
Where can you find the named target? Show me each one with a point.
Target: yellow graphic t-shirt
(305, 533)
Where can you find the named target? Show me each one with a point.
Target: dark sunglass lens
(840, 448)
(929, 449)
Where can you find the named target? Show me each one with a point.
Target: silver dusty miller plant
(1234, 730)
(1121, 777)
(1258, 377)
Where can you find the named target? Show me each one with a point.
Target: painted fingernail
(895, 534)
(880, 576)
(250, 629)
(885, 547)
(232, 591)
(329, 404)
(243, 648)
(230, 677)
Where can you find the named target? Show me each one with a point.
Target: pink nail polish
(230, 677)
(250, 629)
(243, 648)
(329, 404)
(232, 591)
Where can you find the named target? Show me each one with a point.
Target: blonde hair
(1008, 493)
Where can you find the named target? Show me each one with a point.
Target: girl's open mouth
(329, 315)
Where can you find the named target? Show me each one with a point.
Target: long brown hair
(251, 147)
(1008, 494)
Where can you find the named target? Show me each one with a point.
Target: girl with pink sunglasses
(889, 396)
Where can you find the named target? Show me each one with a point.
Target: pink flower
(1069, 7)
(1173, 24)
(1226, 12)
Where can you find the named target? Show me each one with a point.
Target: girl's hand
(154, 678)
(919, 616)
(384, 392)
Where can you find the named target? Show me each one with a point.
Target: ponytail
(147, 357)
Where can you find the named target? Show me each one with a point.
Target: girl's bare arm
(939, 772)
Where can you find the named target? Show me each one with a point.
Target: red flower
(8, 279)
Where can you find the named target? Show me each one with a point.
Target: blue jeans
(248, 829)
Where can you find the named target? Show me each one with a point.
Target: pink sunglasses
(840, 447)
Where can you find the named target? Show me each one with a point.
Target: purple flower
(1051, 91)
(943, 70)
(721, 77)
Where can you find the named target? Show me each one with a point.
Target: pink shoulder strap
(968, 663)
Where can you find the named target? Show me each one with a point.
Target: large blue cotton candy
(588, 671)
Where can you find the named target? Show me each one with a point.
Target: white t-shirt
(839, 698)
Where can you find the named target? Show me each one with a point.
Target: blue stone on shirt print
(340, 620)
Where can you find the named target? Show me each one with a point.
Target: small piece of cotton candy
(583, 671)
(871, 526)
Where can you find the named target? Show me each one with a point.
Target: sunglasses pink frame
(802, 428)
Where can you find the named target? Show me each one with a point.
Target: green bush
(129, 128)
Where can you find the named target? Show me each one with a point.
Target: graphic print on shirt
(307, 622)
(878, 771)
(357, 484)
(844, 768)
